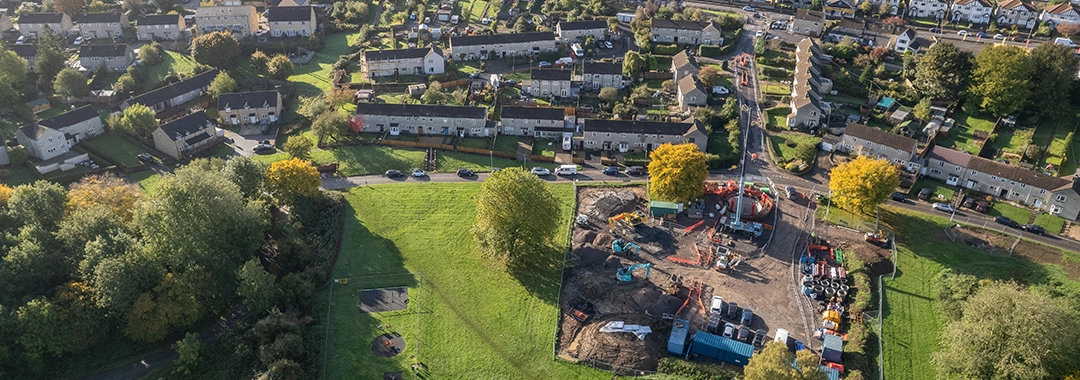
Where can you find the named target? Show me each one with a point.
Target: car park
(943, 207)
(465, 173)
(1006, 221)
(393, 173)
(1035, 229)
(717, 305)
(636, 170)
(744, 333)
(418, 173)
(540, 171)
(732, 310)
(747, 317)
(611, 170)
(899, 197)
(759, 338)
(729, 330)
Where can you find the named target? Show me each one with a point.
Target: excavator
(626, 272)
(621, 246)
(878, 239)
(632, 218)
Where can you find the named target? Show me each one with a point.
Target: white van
(1064, 42)
(565, 170)
(564, 61)
(781, 336)
(566, 142)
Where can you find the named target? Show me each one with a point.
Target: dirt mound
(645, 297)
(604, 203)
(620, 348)
(588, 255)
(583, 236)
(603, 241)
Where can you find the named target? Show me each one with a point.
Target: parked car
(899, 197)
(748, 8)
(145, 158)
(980, 35)
(465, 173)
(747, 317)
(732, 310)
(608, 45)
(982, 206)
(729, 330)
(791, 193)
(717, 305)
(611, 170)
(924, 194)
(393, 173)
(962, 33)
(264, 149)
(1019, 39)
(416, 172)
(999, 37)
(759, 34)
(759, 338)
(943, 207)
(635, 170)
(79, 40)
(1035, 229)
(540, 171)
(544, 64)
(1007, 222)
(969, 202)
(744, 333)
(935, 30)
(475, 75)
(21, 40)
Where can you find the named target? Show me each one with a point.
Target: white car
(759, 34)
(999, 37)
(943, 207)
(607, 44)
(717, 305)
(962, 33)
(748, 8)
(418, 173)
(729, 330)
(79, 40)
(540, 171)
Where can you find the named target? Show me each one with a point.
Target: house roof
(682, 59)
(838, 4)
(910, 33)
(192, 123)
(984, 3)
(426, 110)
(276, 14)
(176, 89)
(539, 113)
(1013, 4)
(501, 39)
(253, 99)
(804, 100)
(157, 20)
(276, 3)
(35, 131)
(98, 18)
(582, 25)
(852, 24)
(680, 24)
(595, 67)
(1015, 173)
(26, 51)
(117, 50)
(891, 140)
(807, 45)
(645, 127)
(41, 18)
(1057, 9)
(70, 118)
(951, 156)
(551, 74)
(690, 83)
(389, 55)
(809, 15)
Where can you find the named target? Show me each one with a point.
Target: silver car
(729, 330)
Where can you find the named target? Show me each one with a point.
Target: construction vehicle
(726, 259)
(581, 220)
(631, 218)
(877, 238)
(622, 246)
(626, 272)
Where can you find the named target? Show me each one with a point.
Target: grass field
(17, 175)
(476, 320)
(780, 145)
(1018, 214)
(1052, 223)
(544, 147)
(936, 188)
(777, 116)
(147, 180)
(173, 63)
(366, 160)
(116, 148)
(315, 76)
(506, 143)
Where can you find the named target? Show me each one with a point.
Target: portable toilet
(677, 342)
(834, 348)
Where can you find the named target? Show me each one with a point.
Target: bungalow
(55, 136)
(420, 61)
(102, 25)
(839, 8)
(549, 82)
(114, 57)
(174, 94)
(597, 75)
(1017, 12)
(501, 45)
(291, 21)
(1064, 13)
(256, 107)
(577, 30)
(34, 24)
(159, 27)
(536, 121)
(188, 135)
(686, 32)
(875, 143)
(928, 9)
(692, 93)
(632, 135)
(433, 119)
(973, 11)
(683, 64)
(807, 22)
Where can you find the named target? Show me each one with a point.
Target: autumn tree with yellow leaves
(289, 179)
(677, 172)
(863, 184)
(104, 190)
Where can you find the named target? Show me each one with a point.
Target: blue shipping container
(723, 349)
(834, 348)
(676, 344)
(830, 373)
(706, 344)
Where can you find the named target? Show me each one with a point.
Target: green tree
(119, 281)
(774, 362)
(165, 6)
(138, 120)
(280, 67)
(433, 94)
(1007, 332)
(866, 7)
(218, 49)
(609, 95)
(515, 215)
(709, 75)
(1054, 70)
(50, 58)
(72, 8)
(677, 173)
(70, 82)
(40, 203)
(247, 174)
(124, 84)
(222, 84)
(256, 286)
(95, 6)
(329, 124)
(922, 109)
(12, 75)
(942, 72)
(521, 25)
(289, 179)
(299, 147)
(633, 64)
(863, 183)
(260, 62)
(38, 321)
(152, 53)
(1001, 79)
(188, 348)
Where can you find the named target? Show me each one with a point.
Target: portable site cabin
(676, 344)
(661, 209)
(723, 349)
(834, 348)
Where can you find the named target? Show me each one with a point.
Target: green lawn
(147, 180)
(116, 148)
(777, 116)
(1052, 223)
(506, 143)
(475, 320)
(475, 142)
(366, 160)
(1053, 135)
(517, 76)
(174, 62)
(1069, 167)
(315, 76)
(780, 143)
(961, 136)
(776, 89)
(1020, 215)
(52, 112)
(544, 147)
(1013, 140)
(452, 161)
(17, 175)
(939, 191)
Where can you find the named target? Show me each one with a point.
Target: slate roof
(387, 55)
(683, 59)
(634, 126)
(278, 14)
(551, 74)
(690, 83)
(27, 51)
(254, 99)
(1013, 4)
(539, 113)
(70, 118)
(994, 168)
(117, 50)
(891, 140)
(426, 110)
(1057, 9)
(910, 33)
(193, 123)
(157, 20)
(501, 39)
(984, 3)
(99, 18)
(34, 131)
(176, 89)
(809, 15)
(596, 67)
(951, 156)
(583, 25)
(41, 18)
(680, 24)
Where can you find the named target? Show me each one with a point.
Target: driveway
(250, 135)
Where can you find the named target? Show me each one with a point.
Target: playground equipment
(726, 259)
(877, 238)
(626, 272)
(621, 246)
(631, 218)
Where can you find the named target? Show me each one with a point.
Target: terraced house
(683, 64)
(291, 21)
(807, 109)
(102, 25)
(928, 9)
(577, 30)
(536, 121)
(1064, 13)
(159, 27)
(116, 57)
(872, 142)
(398, 119)
(686, 32)
(174, 94)
(501, 45)
(186, 136)
(420, 61)
(233, 17)
(549, 82)
(641, 136)
(34, 24)
(597, 75)
(255, 107)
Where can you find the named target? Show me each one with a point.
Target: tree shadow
(539, 271)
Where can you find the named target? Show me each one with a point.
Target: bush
(710, 51)
(666, 49)
(693, 371)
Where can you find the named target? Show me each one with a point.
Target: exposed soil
(878, 259)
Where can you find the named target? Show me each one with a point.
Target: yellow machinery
(631, 218)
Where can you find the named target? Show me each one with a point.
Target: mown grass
(367, 160)
(780, 145)
(1012, 212)
(116, 148)
(1052, 223)
(939, 191)
(962, 135)
(314, 77)
(477, 321)
(17, 175)
(147, 180)
(173, 63)
(777, 116)
(544, 147)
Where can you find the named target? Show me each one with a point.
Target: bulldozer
(630, 218)
(622, 246)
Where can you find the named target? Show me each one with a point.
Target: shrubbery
(693, 371)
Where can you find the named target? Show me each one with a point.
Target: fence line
(566, 254)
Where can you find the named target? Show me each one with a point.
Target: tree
(188, 348)
(37, 323)
(609, 95)
(774, 362)
(1068, 29)
(896, 21)
(885, 8)
(50, 58)
(292, 178)
(256, 286)
(433, 94)
(515, 215)
(222, 84)
(247, 174)
(338, 97)
(633, 64)
(1001, 80)
(40, 203)
(986, 344)
(132, 7)
(105, 190)
(942, 72)
(218, 49)
(863, 183)
(70, 82)
(922, 110)
(669, 85)
(677, 172)
(72, 8)
(260, 62)
(124, 84)
(709, 75)
(866, 7)
(521, 26)
(12, 75)
(1054, 67)
(299, 147)
(313, 106)
(152, 54)
(95, 6)
(165, 5)
(879, 53)
(138, 120)
(280, 67)
(329, 124)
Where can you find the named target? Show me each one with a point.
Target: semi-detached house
(186, 136)
(497, 46)
(234, 17)
(536, 121)
(420, 61)
(1064, 13)
(641, 136)
(291, 21)
(597, 75)
(549, 82)
(27, 52)
(53, 137)
(255, 107)
(686, 32)
(928, 9)
(34, 24)
(116, 57)
(159, 27)
(1017, 12)
(433, 119)
(683, 64)
(973, 11)
(102, 25)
